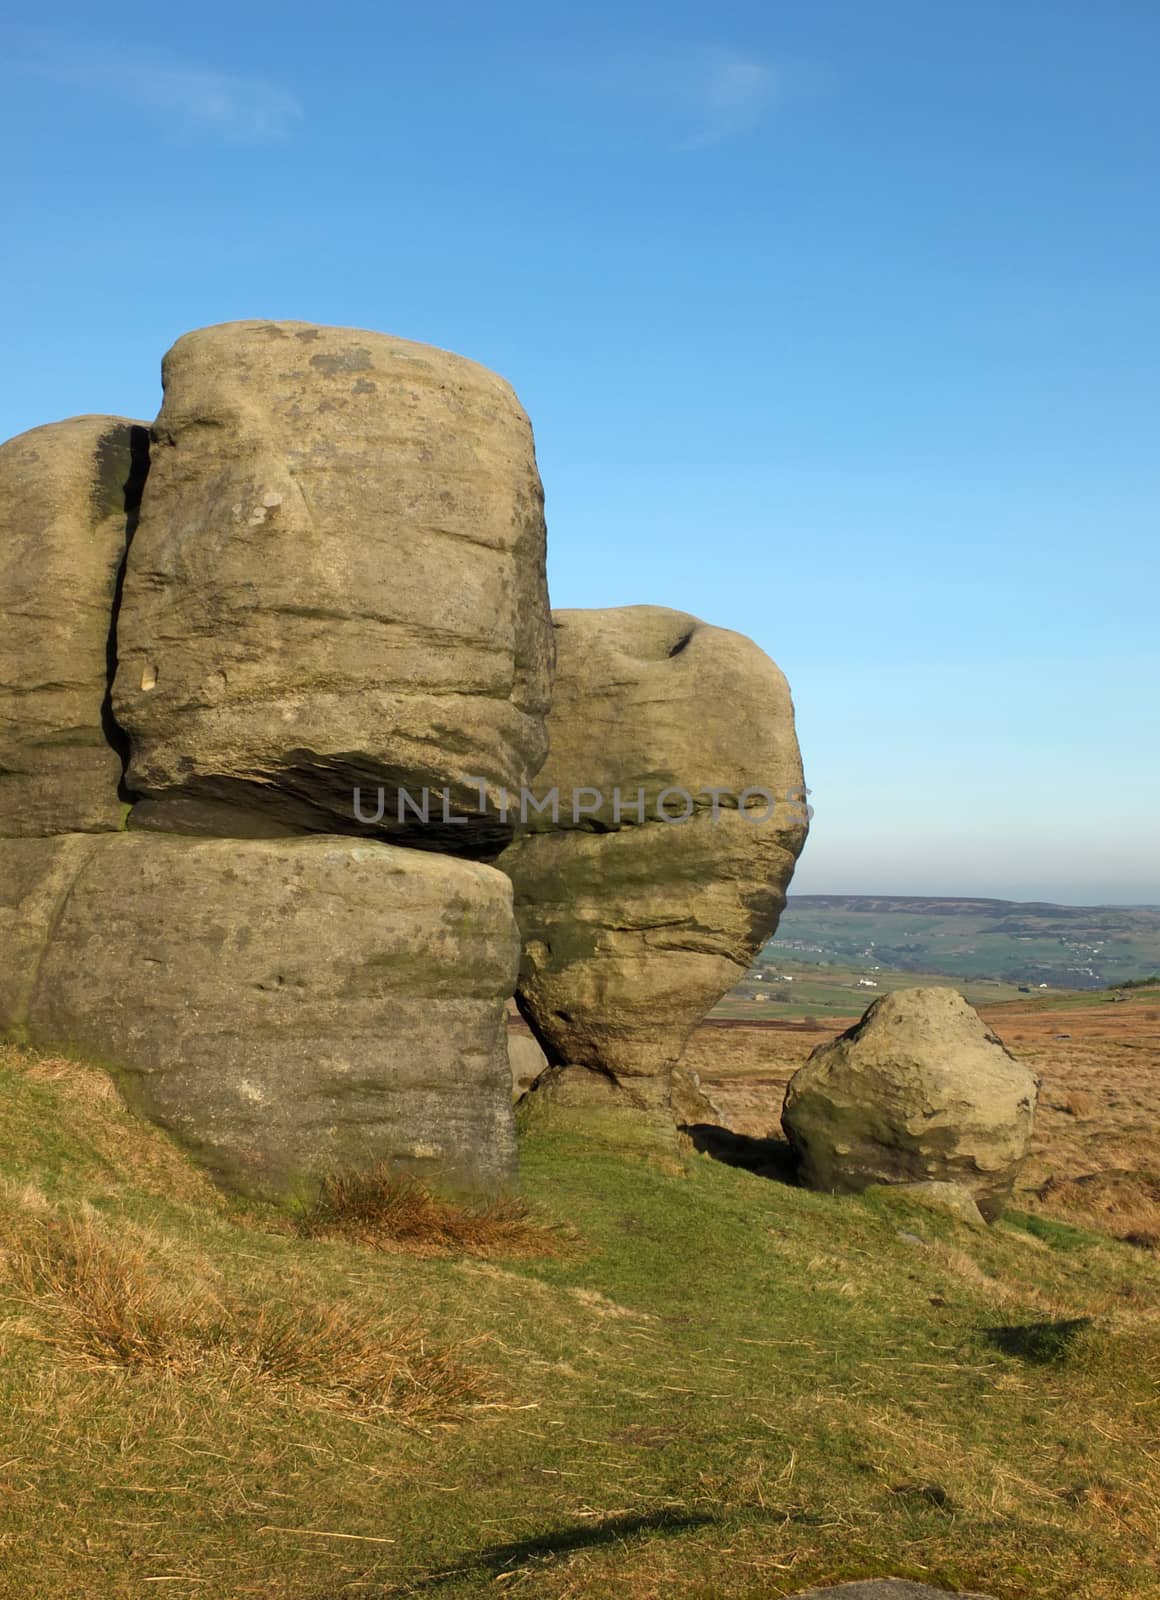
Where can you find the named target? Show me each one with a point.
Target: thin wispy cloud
(734, 94)
(189, 101)
(681, 97)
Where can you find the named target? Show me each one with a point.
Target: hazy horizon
(894, 894)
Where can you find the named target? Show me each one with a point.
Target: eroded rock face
(527, 1060)
(68, 499)
(337, 581)
(634, 927)
(285, 1008)
(919, 1090)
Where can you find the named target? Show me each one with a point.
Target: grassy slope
(733, 1388)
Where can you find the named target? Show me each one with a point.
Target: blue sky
(837, 322)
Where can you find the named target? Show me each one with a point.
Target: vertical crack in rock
(132, 489)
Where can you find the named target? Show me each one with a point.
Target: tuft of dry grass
(81, 1084)
(101, 1299)
(1121, 1202)
(354, 1361)
(394, 1212)
(103, 1303)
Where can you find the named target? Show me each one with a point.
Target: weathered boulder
(285, 1008)
(527, 1060)
(579, 1088)
(68, 499)
(918, 1090)
(633, 925)
(337, 581)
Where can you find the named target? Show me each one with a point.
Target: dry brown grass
(101, 1298)
(393, 1212)
(1125, 1204)
(354, 1361)
(1076, 1104)
(687, 1409)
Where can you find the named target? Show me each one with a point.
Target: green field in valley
(1064, 947)
(832, 955)
(791, 990)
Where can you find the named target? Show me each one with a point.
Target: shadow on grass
(500, 1559)
(768, 1158)
(1039, 1343)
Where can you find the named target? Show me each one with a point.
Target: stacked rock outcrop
(919, 1091)
(274, 690)
(644, 894)
(331, 578)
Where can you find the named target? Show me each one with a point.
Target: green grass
(834, 991)
(726, 1387)
(1059, 1235)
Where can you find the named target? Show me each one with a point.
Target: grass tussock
(1124, 1203)
(99, 1296)
(392, 1212)
(102, 1299)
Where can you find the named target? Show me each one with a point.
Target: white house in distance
(867, 983)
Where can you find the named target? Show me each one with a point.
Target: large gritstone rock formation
(68, 499)
(633, 925)
(331, 578)
(286, 1008)
(920, 1089)
(337, 581)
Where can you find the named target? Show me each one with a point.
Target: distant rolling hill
(1008, 941)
